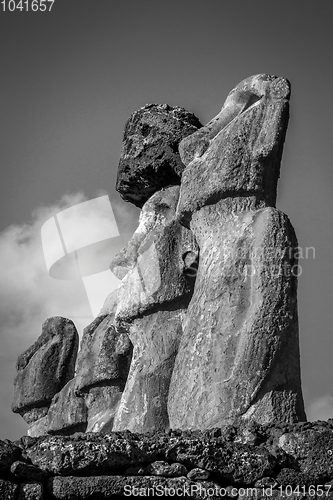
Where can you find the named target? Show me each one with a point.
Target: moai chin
(238, 358)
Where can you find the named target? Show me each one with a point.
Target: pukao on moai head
(155, 288)
(239, 354)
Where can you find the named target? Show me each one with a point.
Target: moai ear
(275, 119)
(237, 102)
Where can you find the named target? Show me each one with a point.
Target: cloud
(321, 408)
(28, 295)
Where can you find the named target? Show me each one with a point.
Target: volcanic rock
(8, 490)
(30, 491)
(8, 454)
(150, 159)
(27, 472)
(161, 468)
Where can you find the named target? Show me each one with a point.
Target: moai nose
(126, 259)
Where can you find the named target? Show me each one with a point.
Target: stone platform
(274, 461)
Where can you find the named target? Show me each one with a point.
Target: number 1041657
(26, 5)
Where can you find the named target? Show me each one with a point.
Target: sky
(71, 77)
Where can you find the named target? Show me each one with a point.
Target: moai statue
(153, 298)
(155, 288)
(238, 358)
(102, 368)
(43, 370)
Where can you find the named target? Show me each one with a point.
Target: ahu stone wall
(249, 461)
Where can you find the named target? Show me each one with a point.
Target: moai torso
(239, 353)
(102, 369)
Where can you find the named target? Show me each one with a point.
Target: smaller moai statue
(43, 370)
(102, 369)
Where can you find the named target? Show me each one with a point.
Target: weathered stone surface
(115, 453)
(239, 354)
(242, 319)
(240, 464)
(312, 450)
(102, 403)
(44, 368)
(8, 490)
(149, 159)
(291, 477)
(126, 457)
(67, 413)
(152, 299)
(198, 474)
(39, 427)
(30, 491)
(266, 482)
(99, 487)
(8, 454)
(27, 472)
(104, 355)
(161, 468)
(90, 453)
(143, 406)
(102, 368)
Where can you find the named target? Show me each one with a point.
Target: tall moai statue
(155, 288)
(238, 358)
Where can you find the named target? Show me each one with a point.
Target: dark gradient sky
(71, 77)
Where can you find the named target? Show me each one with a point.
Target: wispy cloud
(28, 295)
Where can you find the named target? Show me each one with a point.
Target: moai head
(150, 159)
(158, 263)
(238, 153)
(45, 368)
